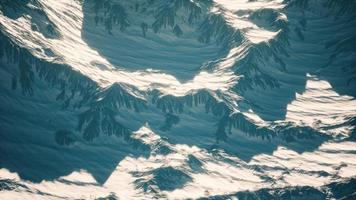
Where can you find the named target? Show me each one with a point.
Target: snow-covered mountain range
(177, 99)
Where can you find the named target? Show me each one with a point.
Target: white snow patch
(319, 105)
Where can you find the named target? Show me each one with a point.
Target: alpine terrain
(178, 99)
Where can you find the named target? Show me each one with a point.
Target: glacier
(177, 99)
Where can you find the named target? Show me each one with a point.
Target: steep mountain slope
(177, 99)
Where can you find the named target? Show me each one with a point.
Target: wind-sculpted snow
(177, 99)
